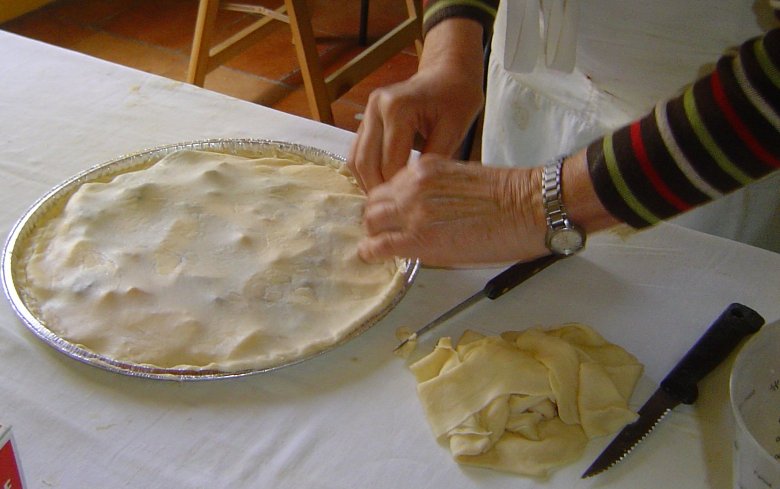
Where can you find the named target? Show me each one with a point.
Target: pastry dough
(406, 335)
(209, 261)
(526, 402)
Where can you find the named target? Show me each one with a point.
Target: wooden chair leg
(320, 91)
(414, 10)
(201, 42)
(309, 61)
(363, 32)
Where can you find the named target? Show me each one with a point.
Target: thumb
(374, 249)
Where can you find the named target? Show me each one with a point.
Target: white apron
(630, 54)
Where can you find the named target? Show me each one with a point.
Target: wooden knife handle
(720, 339)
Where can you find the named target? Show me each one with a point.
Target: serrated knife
(680, 385)
(495, 288)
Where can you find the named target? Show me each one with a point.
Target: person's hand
(439, 102)
(452, 213)
(446, 212)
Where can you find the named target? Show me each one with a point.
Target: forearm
(721, 134)
(455, 44)
(455, 32)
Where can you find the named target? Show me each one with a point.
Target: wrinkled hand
(451, 213)
(438, 106)
(439, 103)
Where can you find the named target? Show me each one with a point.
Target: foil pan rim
(124, 163)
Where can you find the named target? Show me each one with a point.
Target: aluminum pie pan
(23, 303)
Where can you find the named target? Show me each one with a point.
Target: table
(349, 418)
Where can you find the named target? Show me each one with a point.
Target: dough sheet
(209, 261)
(526, 402)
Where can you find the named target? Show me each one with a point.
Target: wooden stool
(321, 91)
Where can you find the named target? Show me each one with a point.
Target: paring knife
(679, 386)
(495, 288)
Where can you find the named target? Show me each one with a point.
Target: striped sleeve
(483, 11)
(721, 134)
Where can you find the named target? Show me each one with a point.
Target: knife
(495, 288)
(679, 386)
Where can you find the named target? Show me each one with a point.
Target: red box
(10, 469)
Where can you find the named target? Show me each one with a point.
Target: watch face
(566, 241)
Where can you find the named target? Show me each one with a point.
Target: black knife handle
(722, 337)
(517, 274)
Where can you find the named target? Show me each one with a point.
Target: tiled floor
(156, 35)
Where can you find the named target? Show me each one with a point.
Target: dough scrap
(526, 402)
(209, 261)
(409, 339)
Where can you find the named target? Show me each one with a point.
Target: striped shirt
(720, 134)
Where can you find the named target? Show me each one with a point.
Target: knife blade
(680, 385)
(493, 289)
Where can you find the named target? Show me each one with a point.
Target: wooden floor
(156, 35)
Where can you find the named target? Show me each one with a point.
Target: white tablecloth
(349, 418)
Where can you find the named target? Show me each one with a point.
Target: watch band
(551, 195)
(563, 237)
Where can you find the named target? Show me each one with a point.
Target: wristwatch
(563, 237)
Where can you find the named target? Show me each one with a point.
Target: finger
(366, 152)
(387, 191)
(373, 249)
(397, 145)
(380, 217)
(351, 157)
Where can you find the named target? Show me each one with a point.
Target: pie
(209, 261)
